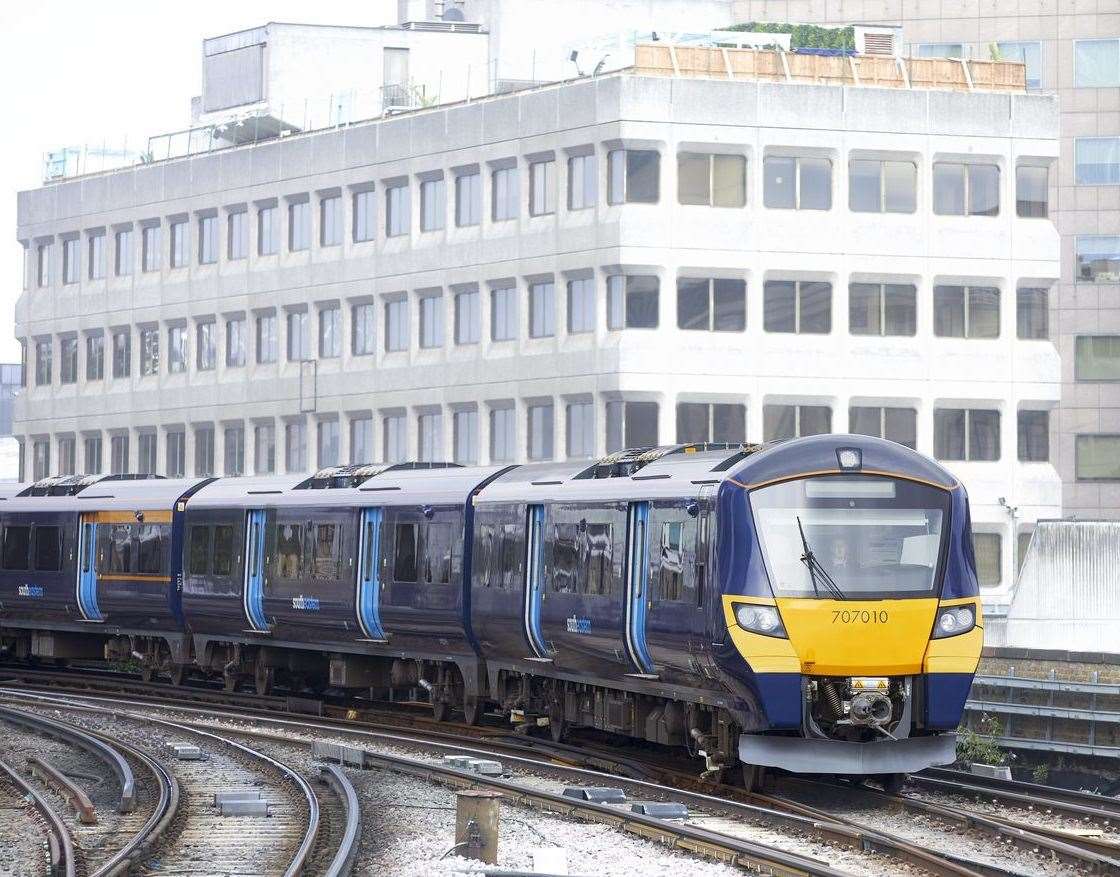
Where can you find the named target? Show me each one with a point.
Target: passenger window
(223, 550)
(199, 551)
(701, 559)
(671, 562)
(120, 549)
(404, 553)
(437, 560)
(483, 555)
(512, 558)
(48, 549)
(566, 567)
(289, 549)
(599, 548)
(17, 546)
(150, 554)
(324, 563)
(367, 560)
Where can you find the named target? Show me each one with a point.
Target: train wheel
(229, 682)
(893, 782)
(147, 674)
(472, 710)
(557, 727)
(178, 674)
(440, 708)
(264, 677)
(753, 777)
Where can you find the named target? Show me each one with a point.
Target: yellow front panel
(764, 654)
(957, 654)
(858, 637)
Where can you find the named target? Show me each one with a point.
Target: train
(810, 605)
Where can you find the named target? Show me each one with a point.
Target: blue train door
(254, 570)
(368, 595)
(637, 586)
(87, 570)
(534, 580)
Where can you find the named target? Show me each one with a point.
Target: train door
(534, 580)
(254, 570)
(87, 569)
(368, 597)
(637, 587)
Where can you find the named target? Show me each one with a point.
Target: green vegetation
(981, 748)
(805, 36)
(1041, 773)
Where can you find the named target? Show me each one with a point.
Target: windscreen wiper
(816, 568)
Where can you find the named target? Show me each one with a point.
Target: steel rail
(63, 861)
(1070, 801)
(343, 861)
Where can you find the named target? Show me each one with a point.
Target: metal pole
(476, 825)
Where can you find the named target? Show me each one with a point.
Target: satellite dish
(453, 14)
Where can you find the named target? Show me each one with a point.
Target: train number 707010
(859, 616)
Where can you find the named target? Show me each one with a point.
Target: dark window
(566, 569)
(598, 549)
(510, 558)
(289, 550)
(223, 550)
(703, 422)
(199, 556)
(1034, 436)
(896, 424)
(437, 554)
(804, 307)
(966, 312)
(671, 561)
(405, 552)
(324, 557)
(966, 434)
(1033, 313)
(1032, 191)
(150, 553)
(48, 549)
(882, 309)
(711, 305)
(17, 547)
(120, 550)
(632, 301)
(797, 183)
(965, 189)
(790, 421)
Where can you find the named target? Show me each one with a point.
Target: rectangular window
(711, 180)
(237, 229)
(1097, 457)
(966, 434)
(147, 464)
(882, 309)
(91, 450)
(896, 424)
(1032, 191)
(631, 425)
(704, 422)
(429, 434)
(43, 355)
(965, 189)
(362, 329)
(431, 321)
(540, 429)
(299, 226)
(1096, 63)
(802, 307)
(1028, 54)
(988, 549)
(395, 438)
(468, 199)
(880, 186)
(365, 216)
(542, 187)
(330, 221)
(791, 421)
(48, 549)
(299, 340)
(264, 448)
(505, 194)
(330, 332)
(1098, 161)
(580, 430)
(123, 259)
(328, 443)
(268, 235)
(503, 430)
(966, 312)
(97, 256)
(71, 260)
(583, 182)
(465, 429)
(433, 205)
(150, 244)
(67, 456)
(295, 447)
(1098, 258)
(198, 559)
(939, 50)
(176, 349)
(711, 305)
(180, 249)
(175, 453)
(632, 301)
(398, 218)
(1032, 312)
(122, 353)
(797, 183)
(95, 357)
(17, 547)
(633, 176)
(149, 351)
(468, 316)
(207, 240)
(1097, 358)
(542, 309)
(267, 345)
(68, 360)
(233, 442)
(44, 265)
(361, 440)
(40, 460)
(503, 313)
(396, 325)
(118, 454)
(581, 305)
(1034, 436)
(235, 342)
(406, 551)
(206, 347)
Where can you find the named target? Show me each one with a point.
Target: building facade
(559, 273)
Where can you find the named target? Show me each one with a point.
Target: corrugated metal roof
(1068, 593)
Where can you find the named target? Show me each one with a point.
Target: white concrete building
(562, 272)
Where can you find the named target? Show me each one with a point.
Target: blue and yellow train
(810, 605)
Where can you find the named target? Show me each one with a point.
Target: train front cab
(851, 603)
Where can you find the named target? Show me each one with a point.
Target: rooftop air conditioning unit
(878, 40)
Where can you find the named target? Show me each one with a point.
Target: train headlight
(760, 619)
(954, 620)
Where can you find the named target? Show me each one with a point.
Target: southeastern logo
(307, 604)
(579, 625)
(34, 591)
